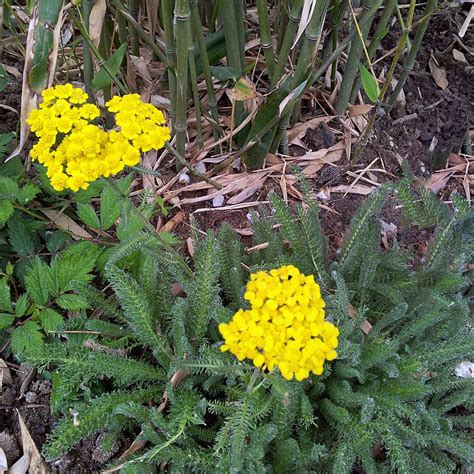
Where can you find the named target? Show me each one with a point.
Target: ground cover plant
(323, 327)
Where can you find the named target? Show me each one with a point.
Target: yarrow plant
(76, 151)
(285, 326)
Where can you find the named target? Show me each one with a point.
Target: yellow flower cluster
(285, 326)
(75, 151)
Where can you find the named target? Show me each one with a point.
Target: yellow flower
(285, 326)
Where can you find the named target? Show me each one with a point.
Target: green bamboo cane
(105, 42)
(86, 50)
(122, 28)
(282, 22)
(352, 65)
(382, 25)
(197, 29)
(170, 45)
(133, 10)
(410, 60)
(305, 60)
(266, 41)
(194, 87)
(239, 6)
(288, 38)
(181, 15)
(214, 15)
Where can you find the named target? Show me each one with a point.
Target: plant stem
(288, 38)
(214, 15)
(181, 14)
(410, 60)
(376, 39)
(194, 88)
(266, 41)
(239, 6)
(133, 10)
(167, 13)
(104, 45)
(211, 96)
(86, 50)
(116, 189)
(352, 65)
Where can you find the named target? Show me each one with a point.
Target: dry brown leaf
(438, 73)
(459, 56)
(362, 109)
(248, 191)
(96, 21)
(5, 374)
(141, 68)
(299, 131)
(437, 181)
(63, 222)
(14, 71)
(21, 466)
(190, 246)
(173, 222)
(357, 189)
(37, 465)
(243, 90)
(365, 326)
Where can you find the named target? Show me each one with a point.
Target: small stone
(9, 446)
(30, 397)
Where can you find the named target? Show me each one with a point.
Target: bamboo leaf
(109, 69)
(369, 83)
(225, 73)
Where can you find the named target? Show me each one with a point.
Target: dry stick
(352, 65)
(410, 60)
(266, 41)
(377, 38)
(181, 15)
(388, 80)
(133, 10)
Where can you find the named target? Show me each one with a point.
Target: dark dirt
(442, 118)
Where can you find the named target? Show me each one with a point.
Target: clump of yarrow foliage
(146, 360)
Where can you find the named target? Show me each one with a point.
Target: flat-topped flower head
(76, 151)
(285, 326)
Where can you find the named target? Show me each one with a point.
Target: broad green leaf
(5, 298)
(27, 193)
(87, 214)
(6, 168)
(35, 282)
(27, 337)
(21, 305)
(6, 211)
(8, 188)
(110, 207)
(369, 83)
(4, 78)
(56, 240)
(109, 69)
(77, 263)
(72, 302)
(6, 320)
(23, 236)
(225, 73)
(50, 319)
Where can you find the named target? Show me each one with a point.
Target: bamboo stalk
(239, 6)
(266, 41)
(133, 10)
(170, 46)
(86, 50)
(105, 42)
(181, 15)
(352, 65)
(376, 39)
(194, 87)
(410, 60)
(214, 15)
(288, 38)
(197, 29)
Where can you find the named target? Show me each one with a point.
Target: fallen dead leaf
(357, 189)
(21, 466)
(173, 222)
(96, 21)
(36, 465)
(5, 374)
(248, 191)
(365, 326)
(459, 56)
(63, 222)
(437, 181)
(362, 109)
(438, 73)
(299, 131)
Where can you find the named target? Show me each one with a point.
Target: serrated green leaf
(21, 305)
(87, 214)
(6, 211)
(27, 337)
(8, 188)
(77, 263)
(6, 320)
(27, 193)
(22, 235)
(110, 207)
(56, 240)
(4, 78)
(369, 83)
(35, 282)
(50, 320)
(109, 69)
(5, 298)
(72, 302)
